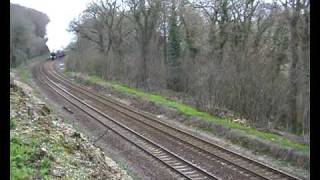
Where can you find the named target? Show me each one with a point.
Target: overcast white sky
(60, 12)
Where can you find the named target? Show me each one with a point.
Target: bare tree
(145, 14)
(248, 57)
(293, 10)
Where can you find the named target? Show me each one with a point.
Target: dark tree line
(27, 34)
(245, 56)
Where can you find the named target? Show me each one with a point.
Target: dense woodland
(27, 34)
(250, 57)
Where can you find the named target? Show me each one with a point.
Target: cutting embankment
(43, 145)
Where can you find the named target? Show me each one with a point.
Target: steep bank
(43, 145)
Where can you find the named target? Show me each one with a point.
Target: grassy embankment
(190, 111)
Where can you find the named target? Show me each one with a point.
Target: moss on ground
(190, 111)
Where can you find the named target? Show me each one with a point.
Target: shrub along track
(189, 156)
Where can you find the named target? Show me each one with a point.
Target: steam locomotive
(57, 55)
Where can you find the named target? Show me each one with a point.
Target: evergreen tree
(174, 78)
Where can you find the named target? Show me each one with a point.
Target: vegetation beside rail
(27, 34)
(22, 70)
(249, 57)
(25, 159)
(190, 111)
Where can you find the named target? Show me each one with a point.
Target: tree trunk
(143, 74)
(306, 72)
(293, 78)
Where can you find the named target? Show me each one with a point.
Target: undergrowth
(25, 161)
(23, 71)
(12, 123)
(190, 111)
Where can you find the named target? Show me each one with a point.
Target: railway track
(244, 165)
(182, 167)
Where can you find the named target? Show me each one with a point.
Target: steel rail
(248, 160)
(187, 174)
(174, 137)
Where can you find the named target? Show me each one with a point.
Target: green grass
(20, 157)
(23, 73)
(190, 111)
(45, 165)
(12, 123)
(23, 159)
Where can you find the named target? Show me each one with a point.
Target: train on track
(57, 55)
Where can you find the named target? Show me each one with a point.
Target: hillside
(27, 34)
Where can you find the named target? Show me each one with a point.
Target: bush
(12, 123)
(25, 160)
(20, 159)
